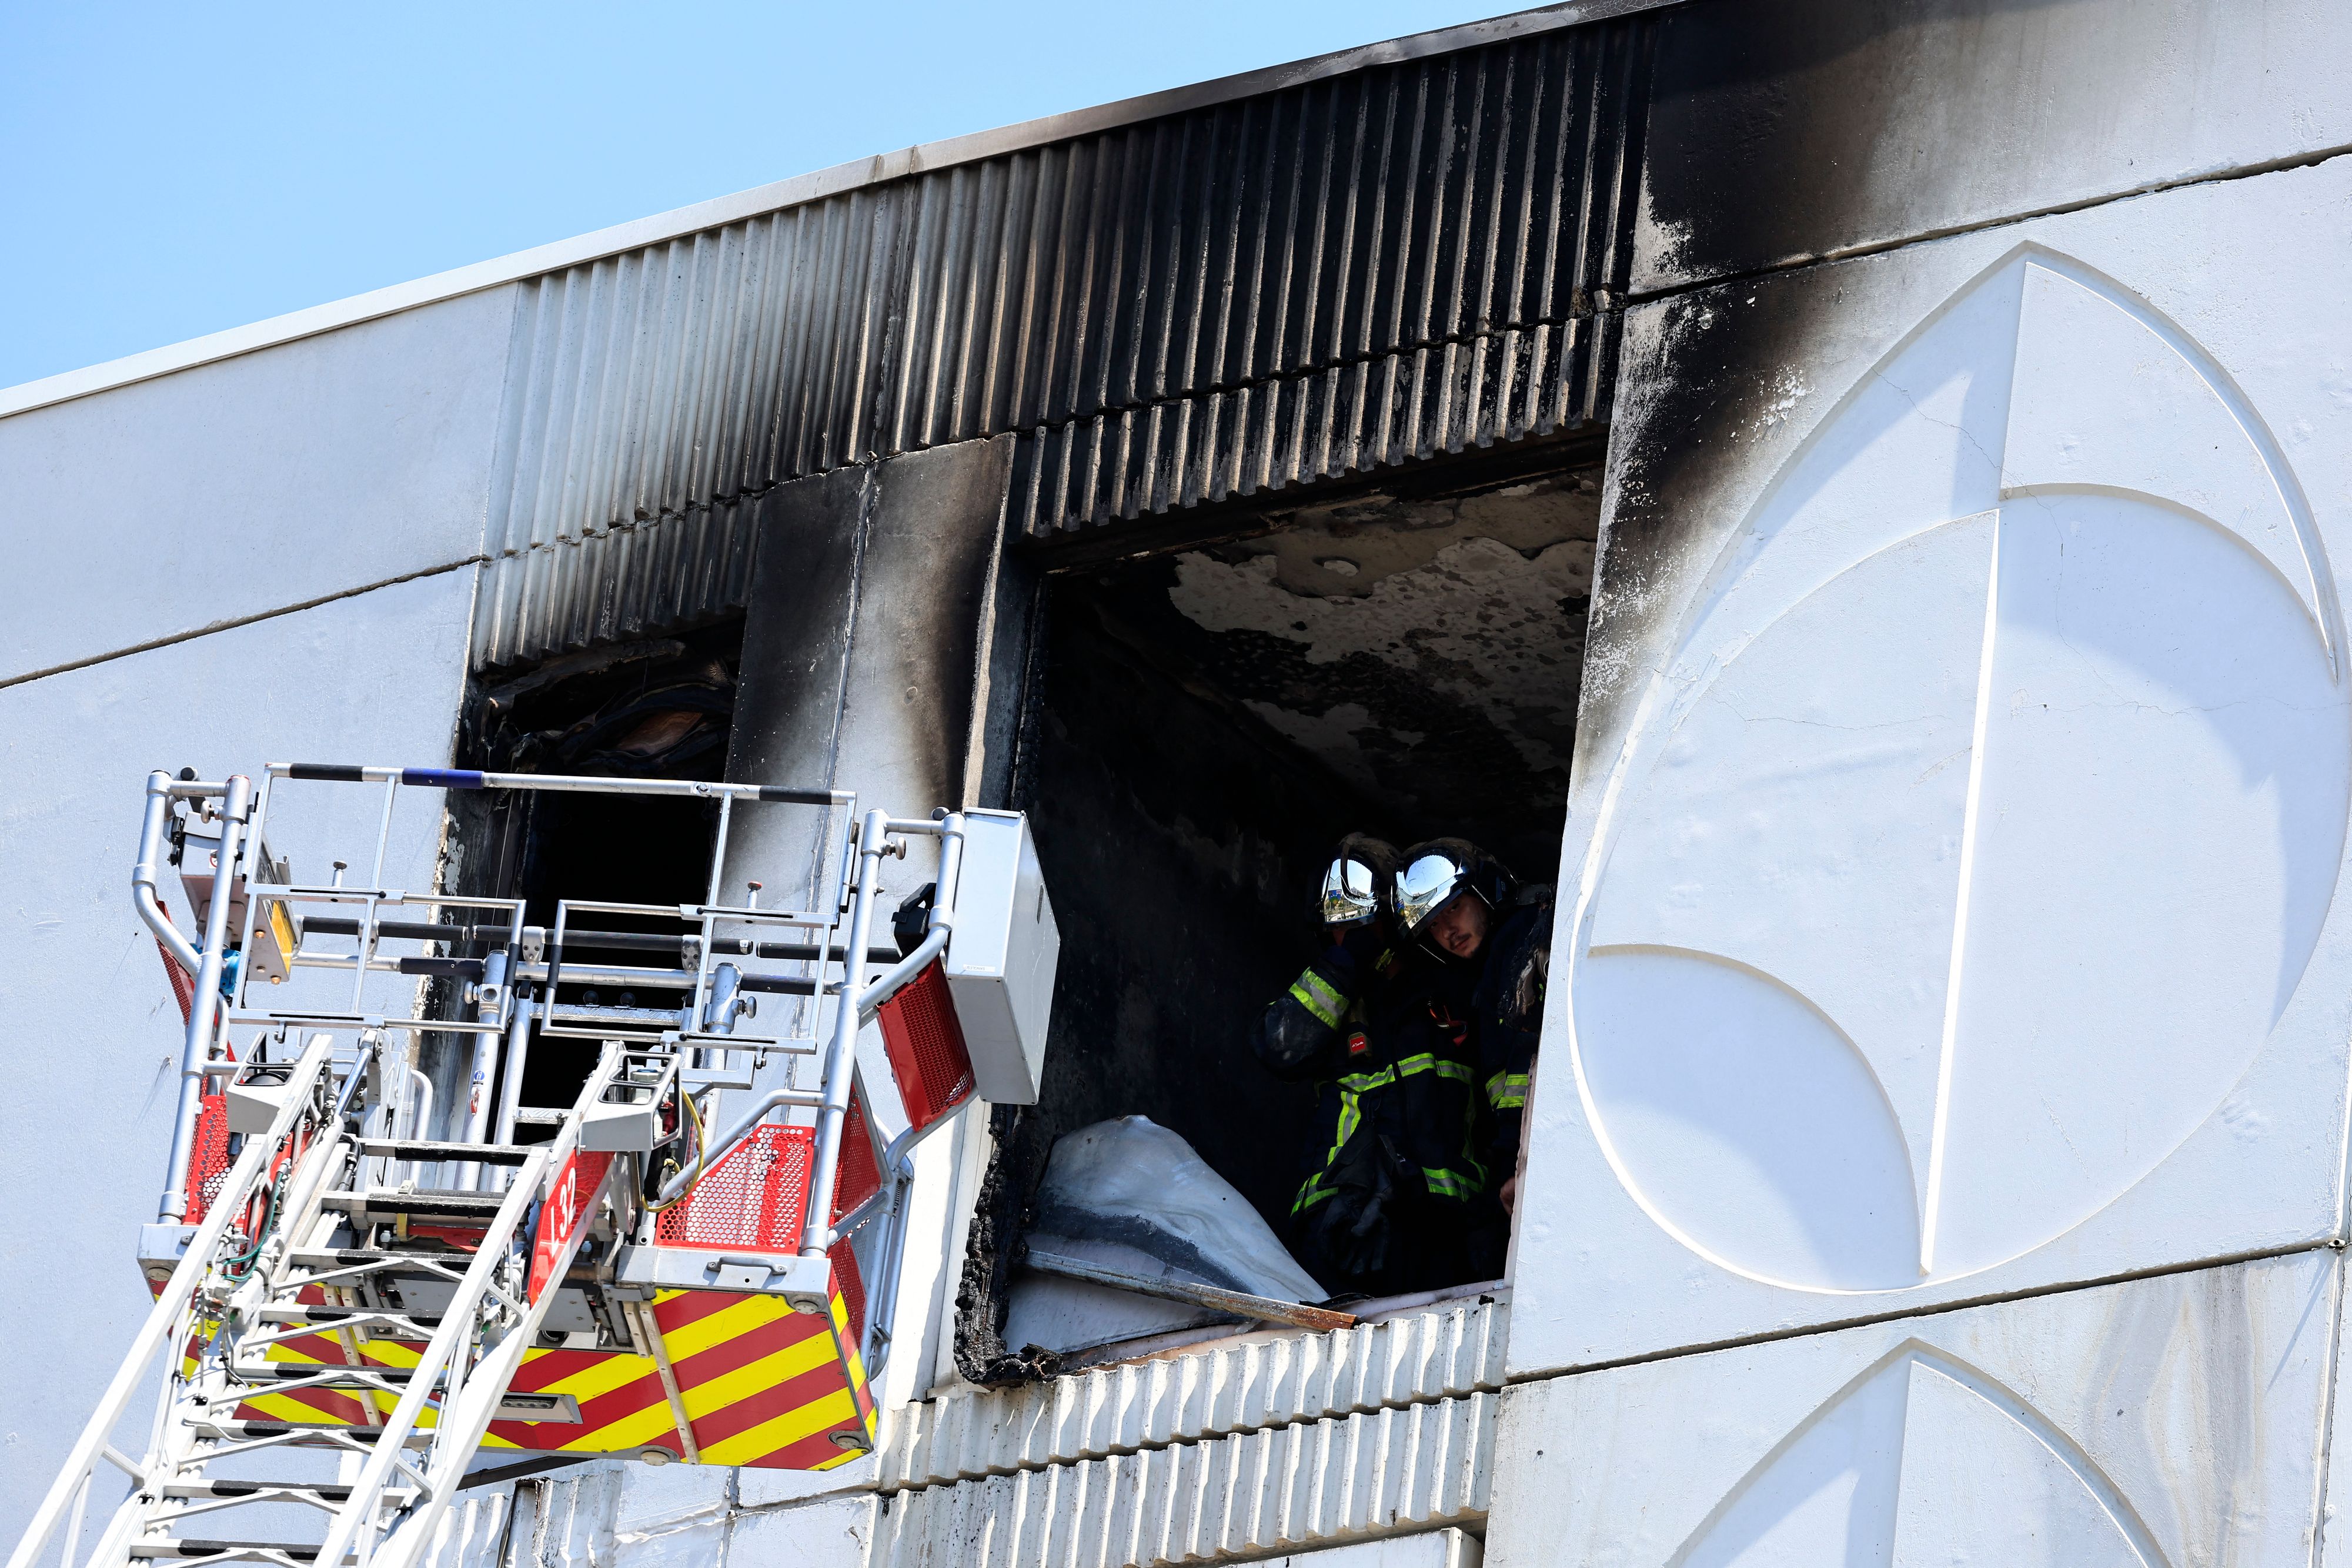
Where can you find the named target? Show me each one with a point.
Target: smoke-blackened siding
(1380, 264)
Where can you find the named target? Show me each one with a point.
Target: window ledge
(1409, 1350)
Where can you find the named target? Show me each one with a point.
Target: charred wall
(1783, 131)
(1411, 252)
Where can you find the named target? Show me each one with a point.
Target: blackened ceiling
(1426, 650)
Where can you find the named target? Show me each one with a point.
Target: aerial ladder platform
(360, 1302)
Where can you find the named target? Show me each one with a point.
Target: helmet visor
(1351, 893)
(1425, 887)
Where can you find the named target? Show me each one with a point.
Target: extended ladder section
(360, 1295)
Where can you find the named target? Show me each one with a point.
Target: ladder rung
(430, 1204)
(323, 1435)
(260, 1551)
(327, 1319)
(424, 1149)
(327, 1257)
(321, 1492)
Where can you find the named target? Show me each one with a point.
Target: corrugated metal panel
(648, 394)
(1331, 224)
(608, 1511)
(1382, 1471)
(1346, 419)
(567, 1520)
(616, 583)
(473, 1533)
(1257, 1382)
(1379, 264)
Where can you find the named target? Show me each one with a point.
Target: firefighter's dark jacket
(1386, 1037)
(1508, 1011)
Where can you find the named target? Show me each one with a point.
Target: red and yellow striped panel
(762, 1385)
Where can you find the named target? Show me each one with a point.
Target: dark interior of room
(1203, 724)
(659, 708)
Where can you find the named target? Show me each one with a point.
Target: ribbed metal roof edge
(68, 385)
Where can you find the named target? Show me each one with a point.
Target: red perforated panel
(183, 984)
(856, 1175)
(925, 1042)
(756, 1197)
(208, 1160)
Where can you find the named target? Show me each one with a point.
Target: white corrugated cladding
(1260, 1443)
(1267, 1442)
(1262, 1381)
(474, 1534)
(1302, 1485)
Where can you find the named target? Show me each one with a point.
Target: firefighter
(1507, 1018)
(1381, 1025)
(1466, 910)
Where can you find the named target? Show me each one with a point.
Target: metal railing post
(197, 1049)
(511, 1071)
(490, 996)
(144, 895)
(841, 1056)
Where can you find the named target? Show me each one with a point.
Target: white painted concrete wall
(1950, 915)
(151, 515)
(236, 489)
(2169, 1420)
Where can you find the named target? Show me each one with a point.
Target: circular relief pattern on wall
(1994, 830)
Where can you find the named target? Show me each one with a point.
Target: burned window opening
(658, 708)
(1200, 725)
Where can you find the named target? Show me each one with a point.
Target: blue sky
(168, 171)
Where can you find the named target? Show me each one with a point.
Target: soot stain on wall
(658, 707)
(1784, 130)
(1711, 377)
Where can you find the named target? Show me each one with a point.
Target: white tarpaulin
(1129, 1194)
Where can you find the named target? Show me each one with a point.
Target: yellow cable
(701, 1154)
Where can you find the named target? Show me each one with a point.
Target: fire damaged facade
(1843, 493)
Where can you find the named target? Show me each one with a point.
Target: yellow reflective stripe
(1323, 989)
(1508, 1091)
(1311, 991)
(1350, 1118)
(1452, 1184)
(1353, 1087)
(729, 1321)
(1365, 1082)
(837, 1408)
